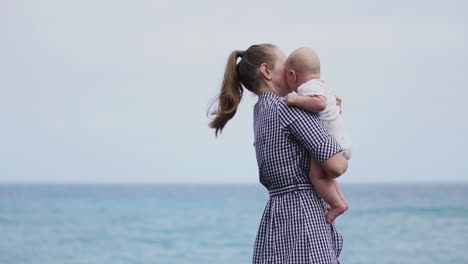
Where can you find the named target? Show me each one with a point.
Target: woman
(293, 227)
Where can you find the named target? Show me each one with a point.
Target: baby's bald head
(304, 60)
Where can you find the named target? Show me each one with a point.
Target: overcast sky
(117, 91)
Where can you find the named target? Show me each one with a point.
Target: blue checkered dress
(293, 228)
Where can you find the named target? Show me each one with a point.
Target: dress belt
(291, 188)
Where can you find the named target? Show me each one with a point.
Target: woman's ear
(265, 71)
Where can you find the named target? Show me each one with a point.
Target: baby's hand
(291, 98)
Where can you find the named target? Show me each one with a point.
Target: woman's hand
(338, 102)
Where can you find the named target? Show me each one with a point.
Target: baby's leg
(340, 193)
(326, 188)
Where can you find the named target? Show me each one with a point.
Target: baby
(313, 94)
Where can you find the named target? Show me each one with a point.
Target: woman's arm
(307, 128)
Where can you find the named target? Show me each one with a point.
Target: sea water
(217, 223)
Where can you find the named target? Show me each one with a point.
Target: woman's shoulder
(270, 97)
(272, 101)
(290, 113)
(287, 113)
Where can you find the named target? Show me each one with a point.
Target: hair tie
(241, 54)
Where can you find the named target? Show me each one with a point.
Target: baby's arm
(316, 103)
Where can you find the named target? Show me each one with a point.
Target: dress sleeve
(307, 128)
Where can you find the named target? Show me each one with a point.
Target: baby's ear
(291, 74)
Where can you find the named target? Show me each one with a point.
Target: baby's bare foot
(335, 211)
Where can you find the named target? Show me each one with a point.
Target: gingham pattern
(293, 228)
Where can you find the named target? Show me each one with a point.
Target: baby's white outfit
(331, 116)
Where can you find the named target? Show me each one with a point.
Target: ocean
(217, 223)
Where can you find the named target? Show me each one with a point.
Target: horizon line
(214, 182)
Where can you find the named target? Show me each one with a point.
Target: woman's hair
(245, 73)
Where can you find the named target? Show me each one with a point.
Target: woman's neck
(276, 90)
